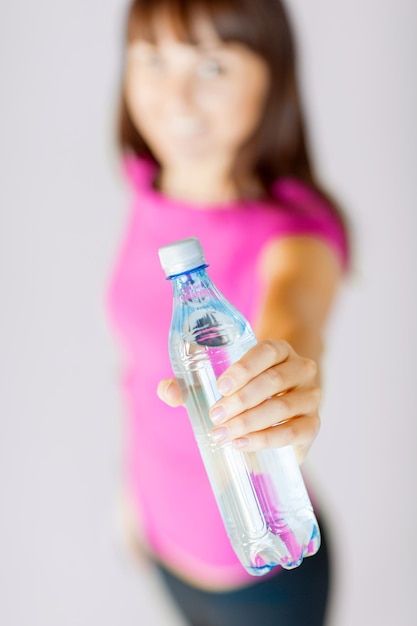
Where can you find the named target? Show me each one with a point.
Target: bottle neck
(183, 276)
(194, 285)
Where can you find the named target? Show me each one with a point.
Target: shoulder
(299, 258)
(311, 217)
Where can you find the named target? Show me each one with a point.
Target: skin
(301, 275)
(196, 106)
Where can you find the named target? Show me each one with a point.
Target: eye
(210, 68)
(148, 57)
(154, 61)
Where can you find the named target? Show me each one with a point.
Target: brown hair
(278, 147)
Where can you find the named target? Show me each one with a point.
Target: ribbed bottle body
(261, 495)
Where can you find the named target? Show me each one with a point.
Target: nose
(179, 92)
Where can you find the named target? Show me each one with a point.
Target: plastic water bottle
(261, 495)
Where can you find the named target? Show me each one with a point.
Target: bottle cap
(181, 256)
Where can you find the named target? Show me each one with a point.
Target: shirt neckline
(147, 187)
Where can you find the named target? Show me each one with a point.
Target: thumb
(169, 392)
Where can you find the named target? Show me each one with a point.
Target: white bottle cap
(181, 256)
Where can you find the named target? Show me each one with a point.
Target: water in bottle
(261, 495)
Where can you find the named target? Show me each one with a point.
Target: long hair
(279, 146)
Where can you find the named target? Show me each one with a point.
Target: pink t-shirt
(166, 479)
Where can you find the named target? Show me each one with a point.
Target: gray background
(63, 559)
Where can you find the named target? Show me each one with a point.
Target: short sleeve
(307, 212)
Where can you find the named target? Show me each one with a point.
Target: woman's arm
(301, 276)
(271, 396)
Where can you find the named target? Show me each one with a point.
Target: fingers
(261, 357)
(275, 380)
(270, 400)
(267, 416)
(169, 392)
(299, 432)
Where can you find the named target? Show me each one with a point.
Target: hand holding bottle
(263, 401)
(270, 399)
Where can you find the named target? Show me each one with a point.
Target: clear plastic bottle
(261, 495)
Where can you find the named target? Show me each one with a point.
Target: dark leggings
(290, 598)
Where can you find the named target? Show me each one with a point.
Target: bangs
(232, 20)
(279, 147)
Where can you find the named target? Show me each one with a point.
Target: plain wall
(63, 207)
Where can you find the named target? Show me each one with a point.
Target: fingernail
(217, 414)
(220, 434)
(225, 385)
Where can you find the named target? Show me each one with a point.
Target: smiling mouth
(185, 126)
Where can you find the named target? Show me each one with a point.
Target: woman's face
(194, 103)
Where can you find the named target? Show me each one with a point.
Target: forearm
(301, 277)
(307, 344)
